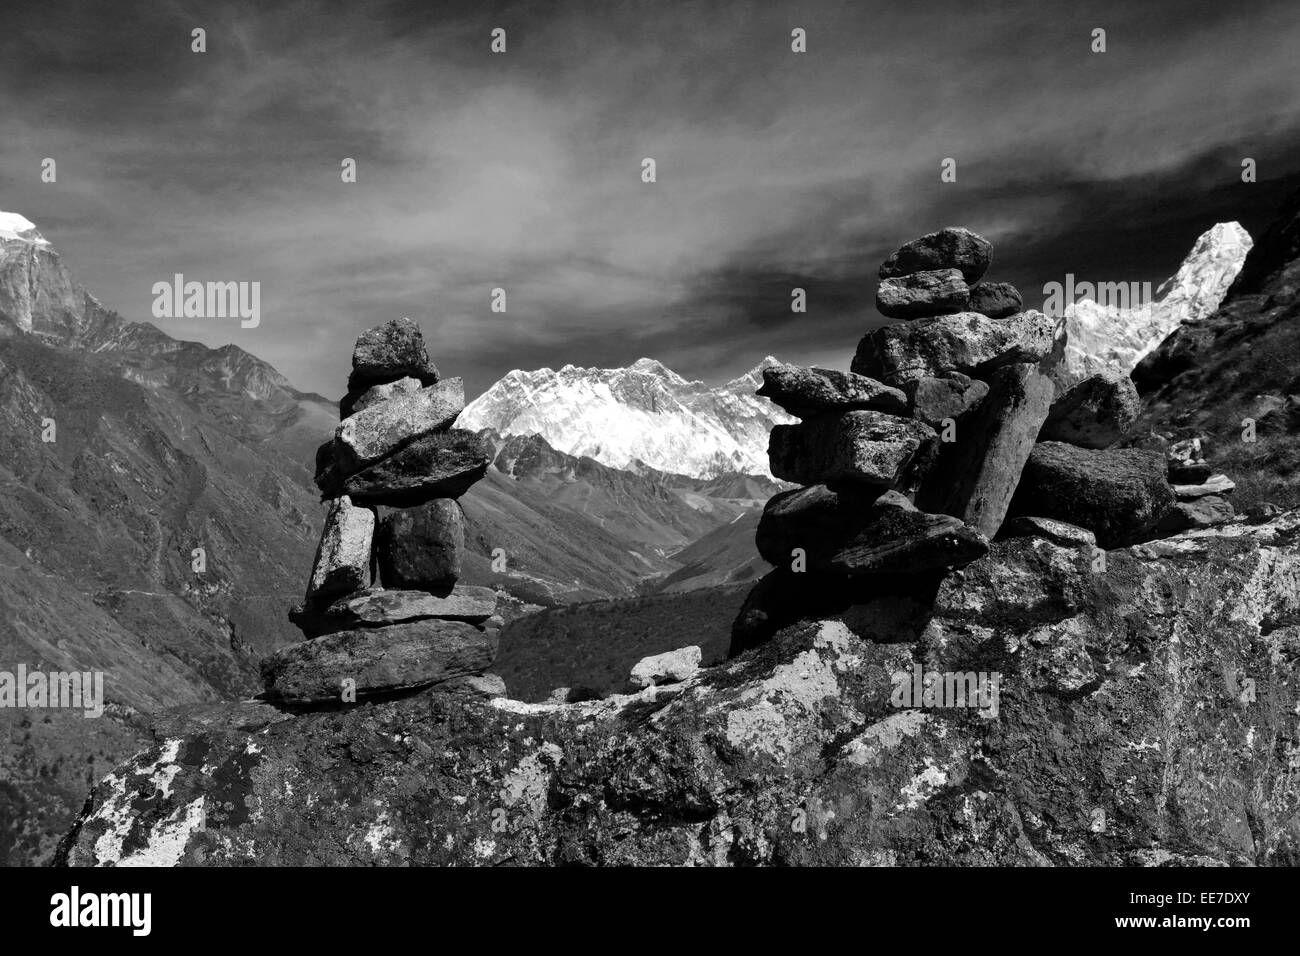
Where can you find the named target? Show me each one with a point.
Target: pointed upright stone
(975, 477)
(342, 563)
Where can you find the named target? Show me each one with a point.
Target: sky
(522, 170)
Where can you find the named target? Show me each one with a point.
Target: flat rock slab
(808, 392)
(1119, 494)
(934, 399)
(1189, 472)
(1058, 532)
(851, 532)
(1095, 413)
(358, 399)
(954, 247)
(381, 429)
(342, 563)
(391, 351)
(976, 476)
(667, 668)
(420, 548)
(1213, 485)
(379, 608)
(1203, 512)
(966, 342)
(441, 465)
(868, 447)
(379, 660)
(997, 300)
(921, 294)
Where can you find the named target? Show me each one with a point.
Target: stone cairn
(383, 611)
(947, 433)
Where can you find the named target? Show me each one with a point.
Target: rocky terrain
(1230, 377)
(1146, 716)
(1003, 627)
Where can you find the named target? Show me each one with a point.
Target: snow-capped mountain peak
(1106, 336)
(17, 226)
(643, 413)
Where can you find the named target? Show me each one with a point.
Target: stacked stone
(909, 461)
(943, 436)
(384, 611)
(1200, 494)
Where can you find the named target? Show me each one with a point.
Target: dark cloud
(522, 171)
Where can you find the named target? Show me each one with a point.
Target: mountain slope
(1108, 336)
(573, 530)
(644, 413)
(1241, 362)
(159, 447)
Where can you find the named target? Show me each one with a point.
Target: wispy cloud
(523, 171)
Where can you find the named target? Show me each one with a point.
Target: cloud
(523, 171)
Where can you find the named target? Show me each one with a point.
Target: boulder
(379, 660)
(420, 548)
(851, 531)
(921, 294)
(997, 300)
(1119, 494)
(966, 342)
(383, 428)
(1095, 413)
(807, 392)
(954, 247)
(667, 668)
(441, 465)
(1213, 485)
(1058, 532)
(1203, 512)
(377, 608)
(976, 475)
(365, 396)
(933, 399)
(391, 351)
(342, 563)
(868, 447)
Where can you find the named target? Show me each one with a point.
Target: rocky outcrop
(395, 450)
(1043, 709)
